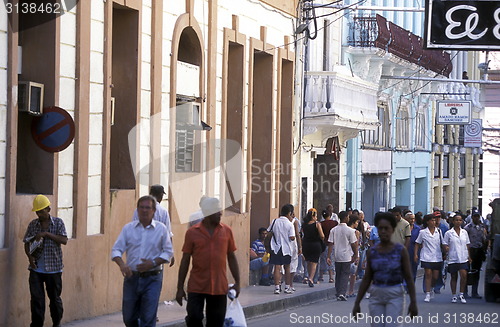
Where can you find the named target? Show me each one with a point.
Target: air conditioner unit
(188, 114)
(30, 97)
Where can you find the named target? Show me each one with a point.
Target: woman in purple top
(387, 265)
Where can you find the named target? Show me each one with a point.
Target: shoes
(427, 297)
(293, 289)
(341, 298)
(432, 294)
(288, 290)
(351, 295)
(367, 295)
(462, 299)
(331, 280)
(476, 296)
(265, 282)
(277, 291)
(454, 299)
(310, 283)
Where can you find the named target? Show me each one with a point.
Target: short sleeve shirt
(258, 247)
(52, 252)
(342, 236)
(208, 258)
(401, 232)
(282, 229)
(458, 245)
(431, 245)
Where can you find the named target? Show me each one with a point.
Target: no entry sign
(54, 130)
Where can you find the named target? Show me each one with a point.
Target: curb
(275, 306)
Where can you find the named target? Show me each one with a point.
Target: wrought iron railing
(363, 31)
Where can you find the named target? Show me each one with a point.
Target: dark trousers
(342, 272)
(477, 256)
(53, 285)
(216, 310)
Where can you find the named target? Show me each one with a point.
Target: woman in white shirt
(429, 240)
(457, 243)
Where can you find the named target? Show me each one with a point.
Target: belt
(146, 273)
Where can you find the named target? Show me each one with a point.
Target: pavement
(257, 301)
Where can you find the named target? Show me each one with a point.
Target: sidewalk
(256, 300)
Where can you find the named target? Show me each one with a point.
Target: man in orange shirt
(208, 244)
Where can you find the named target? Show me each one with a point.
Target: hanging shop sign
(54, 130)
(473, 134)
(462, 25)
(453, 112)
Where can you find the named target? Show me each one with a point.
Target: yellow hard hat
(40, 202)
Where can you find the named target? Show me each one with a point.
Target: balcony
(377, 32)
(336, 101)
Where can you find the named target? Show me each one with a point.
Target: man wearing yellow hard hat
(42, 244)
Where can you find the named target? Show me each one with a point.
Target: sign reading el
(462, 25)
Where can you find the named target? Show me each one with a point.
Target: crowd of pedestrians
(344, 247)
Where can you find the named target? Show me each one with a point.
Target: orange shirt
(208, 258)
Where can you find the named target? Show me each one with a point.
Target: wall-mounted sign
(462, 25)
(54, 130)
(451, 112)
(473, 134)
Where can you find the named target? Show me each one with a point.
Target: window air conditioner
(188, 114)
(30, 98)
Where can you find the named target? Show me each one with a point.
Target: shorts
(431, 265)
(279, 258)
(455, 267)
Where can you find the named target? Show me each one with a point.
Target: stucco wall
(92, 284)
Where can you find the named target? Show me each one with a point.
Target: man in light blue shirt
(148, 246)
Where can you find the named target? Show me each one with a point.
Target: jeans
(342, 269)
(53, 284)
(216, 310)
(257, 264)
(386, 302)
(140, 300)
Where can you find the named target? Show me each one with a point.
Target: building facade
(396, 155)
(196, 95)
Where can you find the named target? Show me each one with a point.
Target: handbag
(269, 237)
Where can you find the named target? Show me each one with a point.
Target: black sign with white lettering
(462, 25)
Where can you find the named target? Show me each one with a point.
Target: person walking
(478, 244)
(282, 247)
(388, 265)
(312, 243)
(343, 239)
(415, 230)
(456, 241)
(42, 245)
(161, 213)
(354, 223)
(429, 240)
(147, 245)
(327, 224)
(208, 244)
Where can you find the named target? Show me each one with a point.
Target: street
(440, 311)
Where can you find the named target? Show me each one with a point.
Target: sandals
(311, 284)
(305, 280)
(331, 280)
